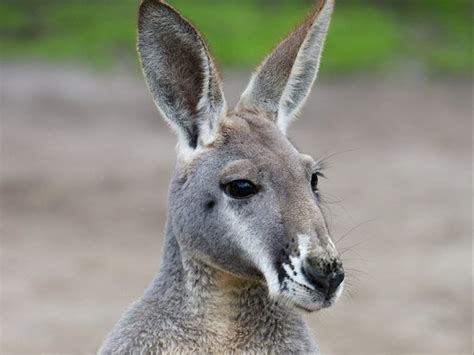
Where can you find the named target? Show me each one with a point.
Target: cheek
(241, 236)
(256, 226)
(203, 230)
(260, 211)
(194, 222)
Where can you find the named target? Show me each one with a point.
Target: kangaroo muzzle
(324, 278)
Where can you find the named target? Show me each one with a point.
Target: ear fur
(180, 73)
(283, 81)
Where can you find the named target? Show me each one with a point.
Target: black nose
(326, 283)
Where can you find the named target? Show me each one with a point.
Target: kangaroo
(247, 245)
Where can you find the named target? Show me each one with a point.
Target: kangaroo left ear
(180, 73)
(283, 81)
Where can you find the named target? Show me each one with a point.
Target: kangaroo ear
(180, 73)
(283, 81)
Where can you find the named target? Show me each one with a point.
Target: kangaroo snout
(324, 279)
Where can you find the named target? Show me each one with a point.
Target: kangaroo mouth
(299, 291)
(305, 285)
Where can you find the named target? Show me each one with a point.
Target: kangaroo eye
(240, 189)
(314, 181)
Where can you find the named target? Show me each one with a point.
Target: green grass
(445, 36)
(363, 36)
(99, 33)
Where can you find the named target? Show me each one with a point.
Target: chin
(310, 300)
(308, 307)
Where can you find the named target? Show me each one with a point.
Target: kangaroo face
(243, 199)
(248, 205)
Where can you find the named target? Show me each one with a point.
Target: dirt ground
(85, 166)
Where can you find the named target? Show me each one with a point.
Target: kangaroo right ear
(283, 81)
(180, 73)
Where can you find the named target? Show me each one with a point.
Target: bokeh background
(86, 161)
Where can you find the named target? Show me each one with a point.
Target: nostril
(325, 282)
(335, 279)
(319, 280)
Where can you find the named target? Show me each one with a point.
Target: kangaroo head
(243, 199)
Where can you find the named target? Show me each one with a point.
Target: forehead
(254, 137)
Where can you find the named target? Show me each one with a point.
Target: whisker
(352, 277)
(351, 247)
(352, 250)
(359, 258)
(354, 228)
(349, 293)
(327, 212)
(361, 272)
(334, 198)
(322, 162)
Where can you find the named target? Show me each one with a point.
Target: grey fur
(234, 272)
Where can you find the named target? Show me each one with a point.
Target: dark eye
(314, 181)
(240, 189)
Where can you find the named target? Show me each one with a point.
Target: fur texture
(235, 270)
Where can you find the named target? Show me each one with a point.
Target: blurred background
(365, 34)
(86, 161)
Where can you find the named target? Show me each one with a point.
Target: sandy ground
(85, 166)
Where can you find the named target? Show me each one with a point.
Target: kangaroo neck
(188, 290)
